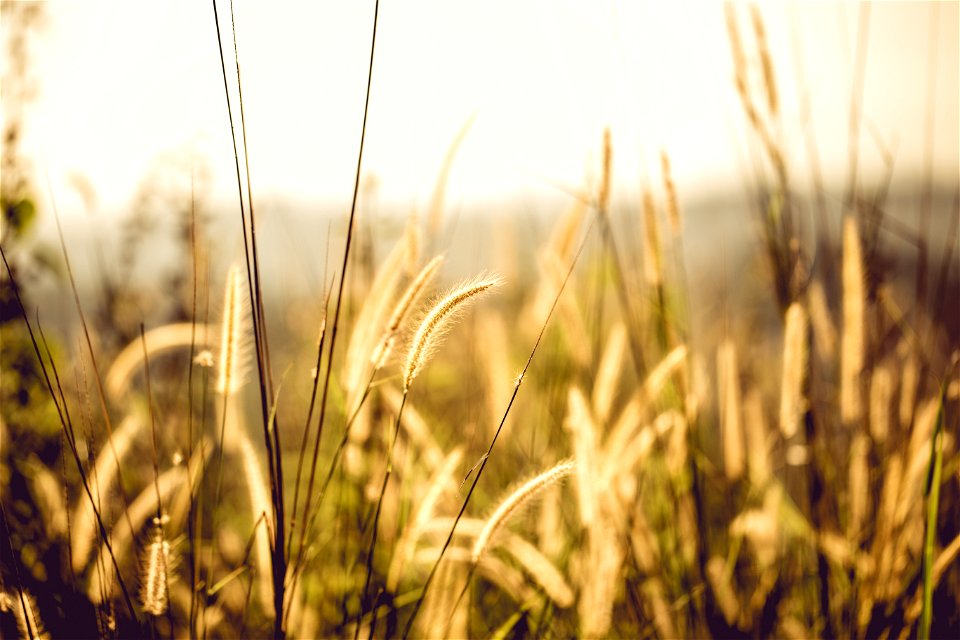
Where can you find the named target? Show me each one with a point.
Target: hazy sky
(123, 83)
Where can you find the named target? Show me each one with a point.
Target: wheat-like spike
(518, 498)
(728, 381)
(792, 404)
(670, 189)
(155, 572)
(138, 513)
(232, 356)
(852, 339)
(438, 319)
(413, 291)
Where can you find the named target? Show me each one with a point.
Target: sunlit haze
(123, 84)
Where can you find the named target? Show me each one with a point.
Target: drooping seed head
(438, 320)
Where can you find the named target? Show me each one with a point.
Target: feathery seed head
(438, 320)
(156, 570)
(516, 499)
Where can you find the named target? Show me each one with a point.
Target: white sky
(123, 83)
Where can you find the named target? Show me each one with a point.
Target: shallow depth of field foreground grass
(574, 441)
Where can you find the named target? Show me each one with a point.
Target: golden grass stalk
(634, 411)
(516, 500)
(549, 523)
(491, 568)
(497, 368)
(23, 606)
(728, 383)
(723, 591)
(580, 423)
(165, 338)
(438, 320)
(859, 488)
(792, 401)
(601, 576)
(852, 338)
(441, 481)
(156, 571)
(625, 458)
(881, 394)
(652, 270)
(761, 527)
(824, 331)
(608, 373)
(544, 572)
(755, 432)
(603, 198)
(436, 619)
(233, 338)
(400, 310)
(766, 64)
(48, 494)
(670, 189)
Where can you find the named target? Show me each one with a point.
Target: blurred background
(119, 108)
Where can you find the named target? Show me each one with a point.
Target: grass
(726, 478)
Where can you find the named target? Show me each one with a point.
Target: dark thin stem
(304, 440)
(153, 425)
(334, 464)
(343, 278)
(101, 396)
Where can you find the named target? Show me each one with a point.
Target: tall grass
(791, 479)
